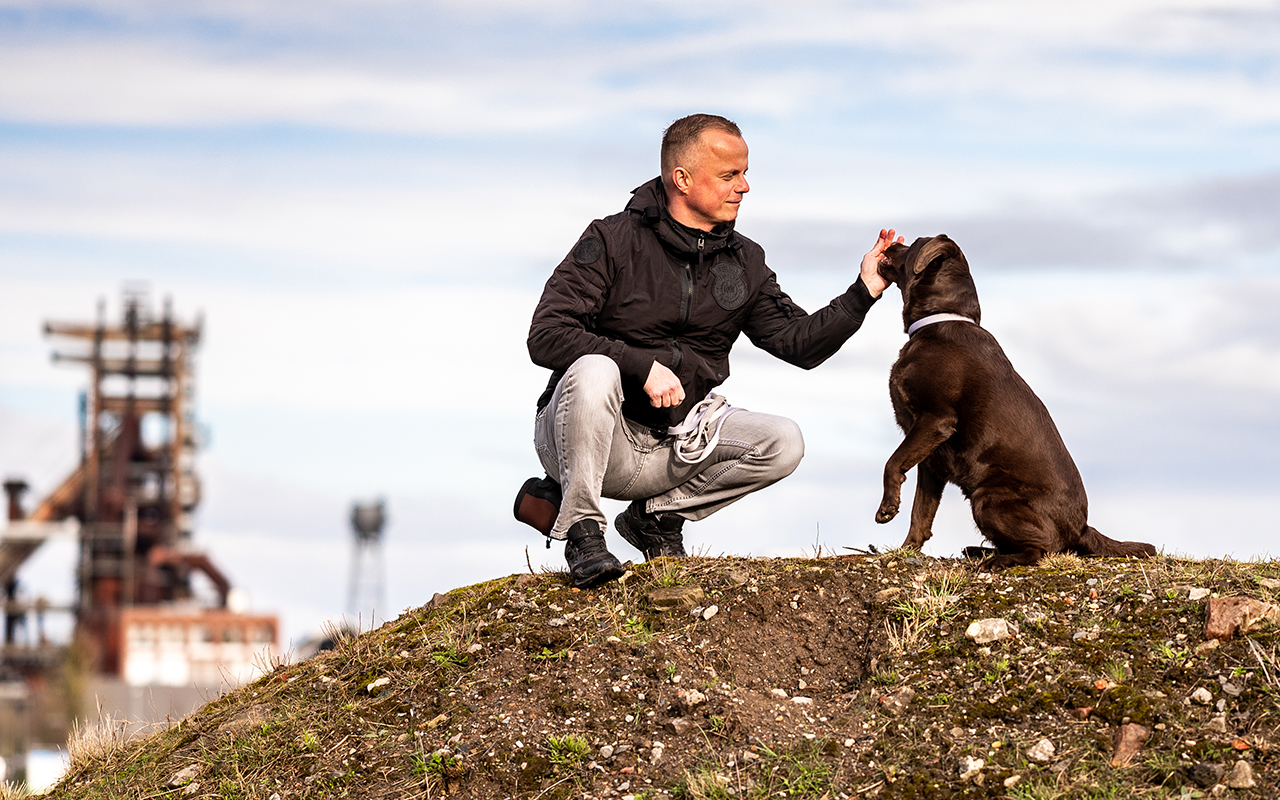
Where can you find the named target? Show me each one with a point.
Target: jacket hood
(649, 200)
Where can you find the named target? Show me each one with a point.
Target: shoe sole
(603, 576)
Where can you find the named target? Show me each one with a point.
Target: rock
(1218, 724)
(655, 753)
(378, 684)
(1012, 781)
(669, 597)
(1204, 774)
(1042, 752)
(475, 648)
(782, 693)
(1128, 741)
(1269, 583)
(1197, 593)
(1241, 776)
(971, 767)
(1207, 647)
(679, 725)
(1201, 696)
(436, 601)
(558, 622)
(688, 698)
(991, 630)
(885, 595)
(897, 702)
(606, 752)
(524, 580)
(802, 701)
(710, 611)
(183, 776)
(1228, 616)
(737, 577)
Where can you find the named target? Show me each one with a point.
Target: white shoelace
(695, 437)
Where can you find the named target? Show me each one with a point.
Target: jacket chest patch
(730, 286)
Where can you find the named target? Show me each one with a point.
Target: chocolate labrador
(971, 420)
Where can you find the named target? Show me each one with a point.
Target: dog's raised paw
(886, 512)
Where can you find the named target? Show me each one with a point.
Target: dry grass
(96, 740)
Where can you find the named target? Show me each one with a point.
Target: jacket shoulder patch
(587, 250)
(730, 287)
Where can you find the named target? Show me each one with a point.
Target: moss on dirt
(836, 677)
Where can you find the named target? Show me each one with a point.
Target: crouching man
(636, 324)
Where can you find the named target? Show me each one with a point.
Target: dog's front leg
(924, 437)
(929, 486)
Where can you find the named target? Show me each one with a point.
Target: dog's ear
(938, 247)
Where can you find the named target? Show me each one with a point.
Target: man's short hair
(682, 136)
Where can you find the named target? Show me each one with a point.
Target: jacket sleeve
(561, 331)
(783, 329)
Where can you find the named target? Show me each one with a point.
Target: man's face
(713, 185)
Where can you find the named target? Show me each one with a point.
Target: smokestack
(13, 488)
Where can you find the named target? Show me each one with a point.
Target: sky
(362, 201)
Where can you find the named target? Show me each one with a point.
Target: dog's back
(971, 420)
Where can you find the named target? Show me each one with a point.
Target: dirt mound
(889, 675)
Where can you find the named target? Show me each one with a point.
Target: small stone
(1241, 776)
(747, 755)
(1204, 774)
(710, 611)
(779, 693)
(1218, 724)
(526, 579)
(679, 725)
(1128, 741)
(885, 595)
(970, 767)
(1269, 583)
(1042, 752)
(475, 648)
(1230, 615)
(655, 754)
(606, 752)
(669, 597)
(183, 776)
(274, 796)
(558, 622)
(956, 733)
(688, 698)
(1012, 781)
(1082, 713)
(1207, 647)
(1201, 696)
(802, 701)
(991, 630)
(1197, 593)
(191, 788)
(897, 702)
(737, 577)
(1231, 690)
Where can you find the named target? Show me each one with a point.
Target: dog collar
(932, 318)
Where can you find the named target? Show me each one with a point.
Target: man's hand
(871, 263)
(663, 387)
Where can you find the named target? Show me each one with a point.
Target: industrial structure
(142, 615)
(368, 570)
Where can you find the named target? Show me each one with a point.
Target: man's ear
(681, 180)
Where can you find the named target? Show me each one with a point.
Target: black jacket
(640, 287)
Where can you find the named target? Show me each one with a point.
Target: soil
(847, 676)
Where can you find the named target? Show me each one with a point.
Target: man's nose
(743, 187)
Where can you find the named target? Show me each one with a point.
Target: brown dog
(971, 420)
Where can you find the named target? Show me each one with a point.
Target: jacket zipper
(686, 306)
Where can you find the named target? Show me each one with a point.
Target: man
(637, 323)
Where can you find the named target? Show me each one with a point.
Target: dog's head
(934, 278)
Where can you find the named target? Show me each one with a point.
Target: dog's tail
(1093, 543)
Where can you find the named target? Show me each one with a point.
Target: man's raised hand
(871, 263)
(663, 387)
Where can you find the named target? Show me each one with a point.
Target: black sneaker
(538, 504)
(590, 562)
(650, 534)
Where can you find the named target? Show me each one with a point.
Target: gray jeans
(586, 444)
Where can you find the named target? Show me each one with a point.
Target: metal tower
(367, 590)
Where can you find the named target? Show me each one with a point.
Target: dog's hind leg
(929, 486)
(1093, 543)
(924, 437)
